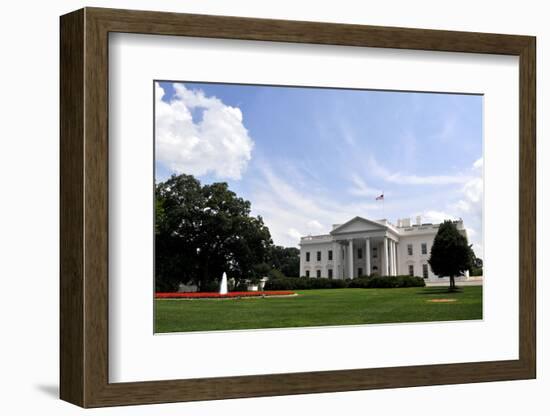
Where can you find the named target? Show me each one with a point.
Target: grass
(319, 308)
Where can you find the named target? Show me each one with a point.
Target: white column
(392, 264)
(342, 254)
(390, 258)
(395, 271)
(367, 256)
(344, 265)
(335, 260)
(385, 262)
(350, 258)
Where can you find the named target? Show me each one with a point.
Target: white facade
(361, 247)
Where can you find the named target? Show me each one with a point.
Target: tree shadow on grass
(429, 291)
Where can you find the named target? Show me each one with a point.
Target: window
(359, 272)
(330, 255)
(374, 252)
(307, 272)
(359, 253)
(424, 248)
(411, 270)
(425, 271)
(318, 273)
(318, 256)
(307, 256)
(410, 249)
(330, 273)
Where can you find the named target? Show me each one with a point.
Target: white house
(362, 247)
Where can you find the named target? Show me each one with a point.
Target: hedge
(387, 282)
(305, 283)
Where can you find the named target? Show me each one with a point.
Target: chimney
(399, 223)
(406, 222)
(418, 220)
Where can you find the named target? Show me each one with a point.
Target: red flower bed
(215, 295)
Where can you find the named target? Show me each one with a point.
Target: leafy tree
(202, 231)
(451, 255)
(159, 214)
(477, 262)
(261, 270)
(476, 269)
(286, 260)
(276, 274)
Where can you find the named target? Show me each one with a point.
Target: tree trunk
(452, 284)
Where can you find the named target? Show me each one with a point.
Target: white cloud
(426, 180)
(472, 190)
(448, 128)
(468, 206)
(406, 179)
(294, 234)
(292, 212)
(478, 249)
(315, 225)
(436, 217)
(196, 134)
(347, 134)
(361, 188)
(478, 164)
(473, 195)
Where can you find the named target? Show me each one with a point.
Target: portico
(366, 255)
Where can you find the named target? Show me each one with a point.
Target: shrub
(394, 281)
(210, 286)
(338, 284)
(275, 274)
(305, 283)
(361, 282)
(241, 286)
(476, 271)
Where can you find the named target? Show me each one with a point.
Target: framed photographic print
(254, 207)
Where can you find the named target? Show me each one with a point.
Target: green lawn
(319, 308)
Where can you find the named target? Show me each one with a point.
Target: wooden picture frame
(84, 207)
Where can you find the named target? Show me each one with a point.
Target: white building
(362, 247)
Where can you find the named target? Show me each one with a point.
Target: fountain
(223, 284)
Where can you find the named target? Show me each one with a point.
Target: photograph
(299, 206)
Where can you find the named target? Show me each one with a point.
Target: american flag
(381, 197)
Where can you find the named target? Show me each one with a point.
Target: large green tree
(286, 260)
(202, 231)
(451, 255)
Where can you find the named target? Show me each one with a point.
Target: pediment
(358, 224)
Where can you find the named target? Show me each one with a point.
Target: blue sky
(307, 158)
